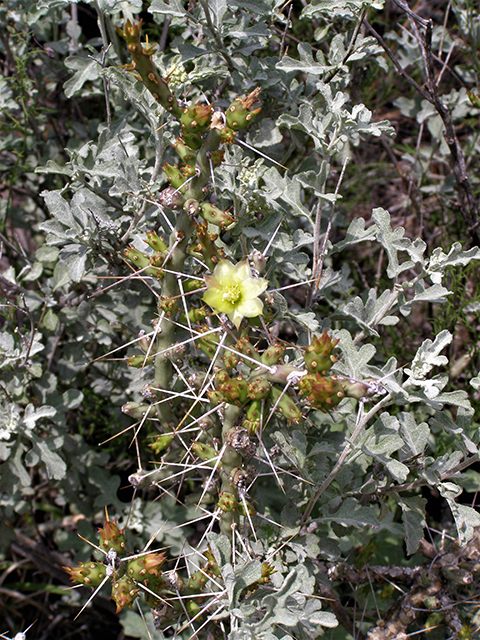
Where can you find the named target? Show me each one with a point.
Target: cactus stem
(273, 409)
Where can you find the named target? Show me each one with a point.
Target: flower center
(232, 293)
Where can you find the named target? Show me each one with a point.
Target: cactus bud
(91, 574)
(170, 198)
(253, 416)
(285, 405)
(206, 453)
(191, 139)
(124, 593)
(136, 410)
(186, 154)
(214, 215)
(161, 443)
(318, 356)
(259, 261)
(227, 135)
(322, 392)
(197, 117)
(217, 156)
(156, 242)
(137, 362)
(147, 565)
(227, 501)
(273, 354)
(111, 537)
(191, 206)
(174, 175)
(240, 114)
(258, 388)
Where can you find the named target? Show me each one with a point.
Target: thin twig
(318, 260)
(284, 35)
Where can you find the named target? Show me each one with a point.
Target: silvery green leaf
(475, 382)
(307, 62)
(354, 358)
(371, 312)
(306, 318)
(139, 626)
(32, 415)
(472, 307)
(458, 398)
(60, 210)
(258, 7)
(293, 447)
(382, 436)
(43, 450)
(440, 260)
(444, 421)
(221, 548)
(356, 233)
(71, 265)
(349, 9)
(268, 136)
(466, 518)
(415, 435)
(287, 606)
(434, 294)
(441, 467)
(393, 241)
(316, 180)
(173, 8)
(351, 514)
(413, 517)
(10, 419)
(428, 355)
(245, 575)
(85, 70)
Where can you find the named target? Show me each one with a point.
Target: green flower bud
(206, 453)
(216, 216)
(196, 118)
(273, 354)
(285, 405)
(136, 410)
(186, 154)
(240, 114)
(156, 242)
(111, 537)
(191, 139)
(227, 501)
(161, 443)
(124, 593)
(318, 356)
(91, 574)
(174, 175)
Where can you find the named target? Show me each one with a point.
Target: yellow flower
(233, 290)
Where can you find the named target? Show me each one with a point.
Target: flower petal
(236, 317)
(253, 287)
(225, 273)
(214, 298)
(243, 271)
(250, 308)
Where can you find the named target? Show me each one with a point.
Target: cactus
(240, 114)
(196, 118)
(318, 356)
(145, 69)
